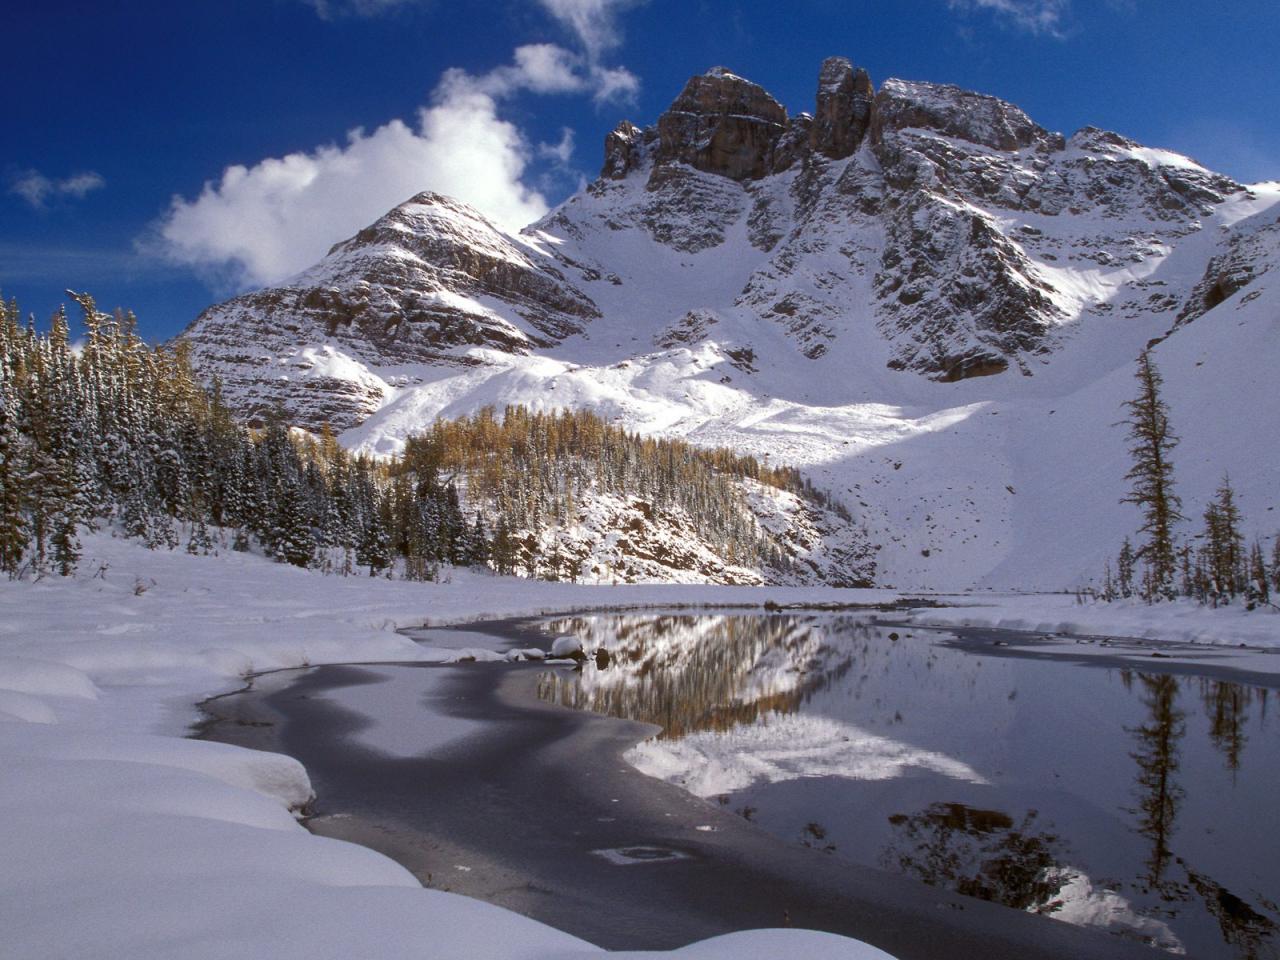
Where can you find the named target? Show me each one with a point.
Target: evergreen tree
(478, 544)
(1124, 569)
(1109, 591)
(1275, 563)
(1259, 588)
(13, 527)
(293, 540)
(502, 554)
(1152, 440)
(1223, 548)
(374, 550)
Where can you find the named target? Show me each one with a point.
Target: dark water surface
(1137, 800)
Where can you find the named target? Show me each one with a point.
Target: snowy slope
(936, 317)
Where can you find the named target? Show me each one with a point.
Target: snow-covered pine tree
(13, 527)
(374, 548)
(478, 543)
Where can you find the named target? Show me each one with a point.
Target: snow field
(121, 838)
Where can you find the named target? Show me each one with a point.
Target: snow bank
(1182, 621)
(120, 838)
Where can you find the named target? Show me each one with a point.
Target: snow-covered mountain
(919, 296)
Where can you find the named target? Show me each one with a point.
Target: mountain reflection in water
(1137, 802)
(689, 674)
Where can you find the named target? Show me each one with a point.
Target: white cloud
(539, 67)
(34, 187)
(561, 152)
(260, 224)
(548, 68)
(266, 222)
(595, 22)
(1035, 16)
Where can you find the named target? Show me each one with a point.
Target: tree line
(111, 432)
(1217, 569)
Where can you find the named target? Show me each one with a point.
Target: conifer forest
(115, 433)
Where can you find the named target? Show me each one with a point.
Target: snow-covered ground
(1183, 621)
(118, 837)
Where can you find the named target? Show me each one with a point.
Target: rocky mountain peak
(426, 283)
(622, 151)
(723, 124)
(845, 102)
(954, 112)
(933, 222)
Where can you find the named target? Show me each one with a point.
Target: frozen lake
(1136, 797)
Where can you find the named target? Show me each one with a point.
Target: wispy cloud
(541, 67)
(561, 152)
(594, 22)
(333, 9)
(37, 189)
(548, 68)
(1045, 17)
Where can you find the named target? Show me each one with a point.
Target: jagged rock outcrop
(1252, 251)
(953, 112)
(623, 150)
(722, 124)
(845, 102)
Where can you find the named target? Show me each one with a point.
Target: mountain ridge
(829, 289)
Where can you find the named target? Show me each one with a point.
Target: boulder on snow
(567, 647)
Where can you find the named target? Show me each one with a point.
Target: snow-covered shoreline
(1181, 621)
(123, 838)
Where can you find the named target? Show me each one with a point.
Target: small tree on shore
(1151, 442)
(1124, 569)
(1224, 556)
(1275, 564)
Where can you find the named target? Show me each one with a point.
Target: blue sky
(165, 155)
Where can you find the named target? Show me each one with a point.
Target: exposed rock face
(845, 101)
(1252, 251)
(973, 117)
(969, 296)
(722, 124)
(622, 150)
(423, 284)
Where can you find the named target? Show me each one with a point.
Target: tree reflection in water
(694, 674)
(1158, 757)
(1225, 705)
(689, 674)
(979, 853)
